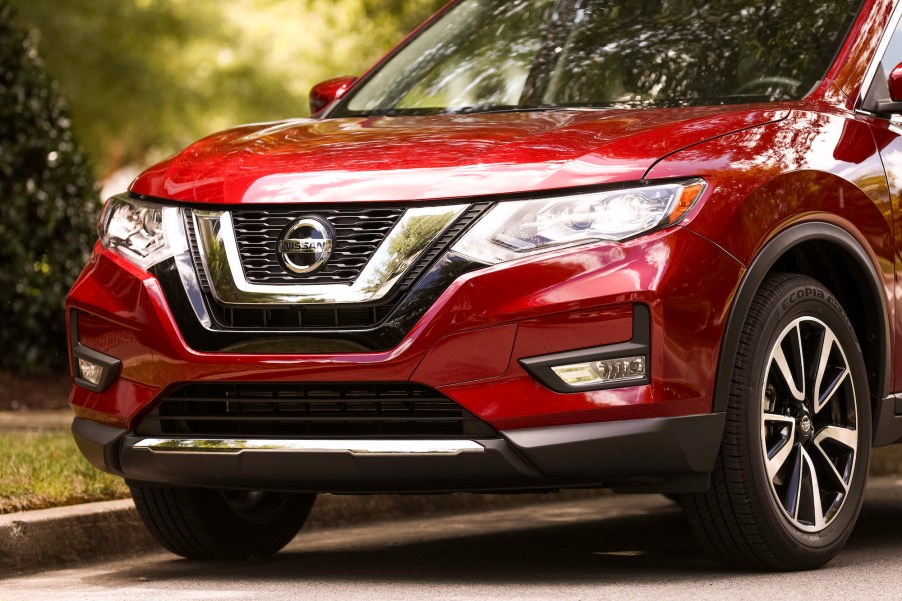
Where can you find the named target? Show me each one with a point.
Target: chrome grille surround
(308, 325)
(415, 231)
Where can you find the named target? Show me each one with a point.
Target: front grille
(311, 410)
(358, 233)
(319, 316)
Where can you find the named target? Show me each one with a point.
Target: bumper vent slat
(311, 410)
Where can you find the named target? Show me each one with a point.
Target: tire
(761, 512)
(200, 523)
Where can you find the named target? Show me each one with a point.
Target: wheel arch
(835, 258)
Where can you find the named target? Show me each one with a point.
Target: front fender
(811, 177)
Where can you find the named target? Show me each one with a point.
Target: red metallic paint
(325, 93)
(847, 73)
(684, 347)
(573, 330)
(475, 355)
(895, 84)
(767, 166)
(890, 145)
(812, 167)
(435, 157)
(115, 406)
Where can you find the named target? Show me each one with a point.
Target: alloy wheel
(809, 429)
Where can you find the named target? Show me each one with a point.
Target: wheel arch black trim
(762, 265)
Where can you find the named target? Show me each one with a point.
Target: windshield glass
(485, 55)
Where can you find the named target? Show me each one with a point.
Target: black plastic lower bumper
(651, 455)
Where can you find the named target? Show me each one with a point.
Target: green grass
(47, 470)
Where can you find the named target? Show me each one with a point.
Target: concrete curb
(37, 540)
(32, 540)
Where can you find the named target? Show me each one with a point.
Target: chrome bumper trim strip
(354, 447)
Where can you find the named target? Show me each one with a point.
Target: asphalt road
(621, 547)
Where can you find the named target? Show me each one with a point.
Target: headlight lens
(516, 229)
(139, 231)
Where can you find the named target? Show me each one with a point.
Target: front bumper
(660, 455)
(468, 345)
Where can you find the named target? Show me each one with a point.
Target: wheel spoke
(786, 372)
(844, 436)
(794, 487)
(823, 359)
(825, 460)
(827, 396)
(779, 453)
(815, 490)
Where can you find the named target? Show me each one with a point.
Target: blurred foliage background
(146, 77)
(93, 91)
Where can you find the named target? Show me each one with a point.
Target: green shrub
(48, 206)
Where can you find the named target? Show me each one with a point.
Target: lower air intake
(311, 410)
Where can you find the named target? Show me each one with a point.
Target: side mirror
(895, 84)
(894, 81)
(326, 92)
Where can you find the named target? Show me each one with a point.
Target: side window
(892, 57)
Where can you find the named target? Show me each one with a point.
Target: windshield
(485, 55)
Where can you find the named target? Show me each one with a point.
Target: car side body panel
(815, 167)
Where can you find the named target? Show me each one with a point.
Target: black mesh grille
(358, 233)
(311, 410)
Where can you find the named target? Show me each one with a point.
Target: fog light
(578, 373)
(628, 368)
(90, 371)
(608, 371)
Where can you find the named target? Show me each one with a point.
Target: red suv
(543, 244)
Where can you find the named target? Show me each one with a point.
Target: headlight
(515, 229)
(138, 230)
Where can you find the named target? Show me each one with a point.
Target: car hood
(435, 157)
